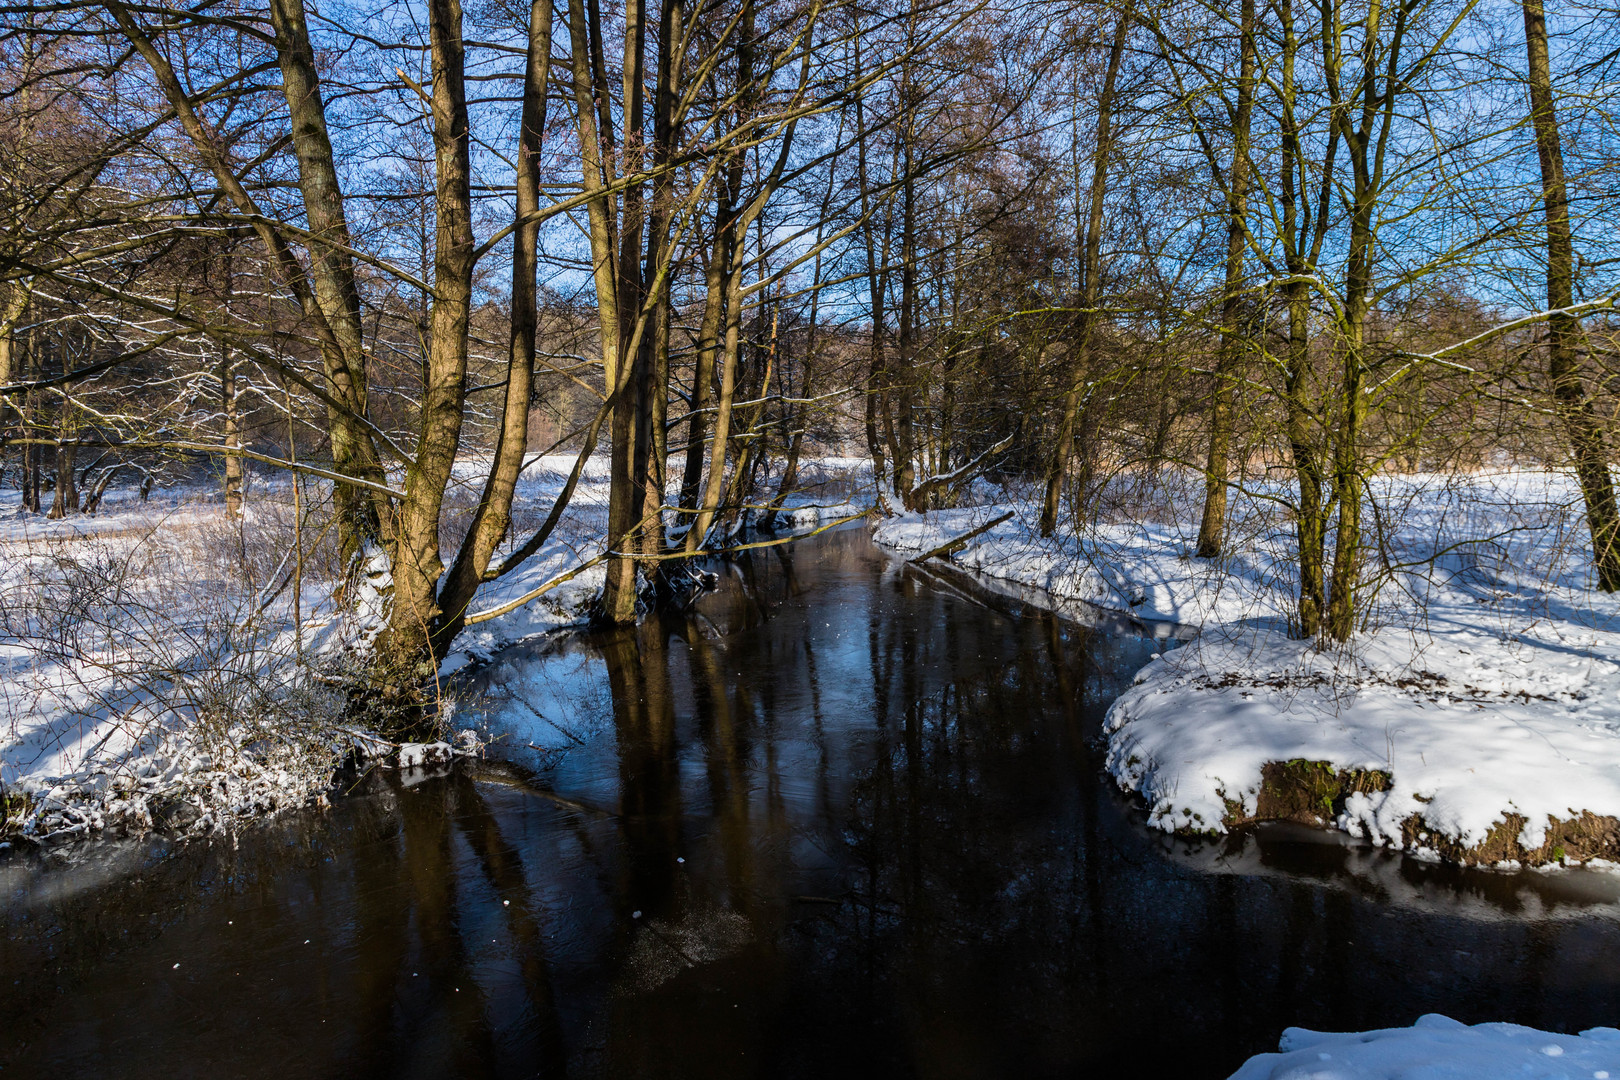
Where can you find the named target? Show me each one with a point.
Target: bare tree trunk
(1302, 242)
(627, 494)
(233, 434)
(1310, 520)
(27, 417)
(716, 276)
(1564, 331)
(1217, 469)
(905, 467)
(754, 450)
(1091, 263)
(800, 417)
(11, 310)
(654, 353)
(595, 138)
(630, 408)
(493, 517)
(65, 495)
(34, 455)
(1366, 164)
(363, 513)
(877, 287)
(417, 564)
(351, 439)
(730, 353)
(14, 304)
(1347, 463)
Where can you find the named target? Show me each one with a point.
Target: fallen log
(950, 547)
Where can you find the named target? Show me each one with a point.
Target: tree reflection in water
(845, 818)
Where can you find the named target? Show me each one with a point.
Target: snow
(1141, 567)
(1486, 683)
(423, 755)
(1524, 727)
(138, 667)
(577, 539)
(1439, 1048)
(152, 670)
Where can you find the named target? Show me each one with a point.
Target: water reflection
(844, 818)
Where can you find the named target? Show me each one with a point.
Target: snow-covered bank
(579, 538)
(160, 667)
(142, 662)
(155, 670)
(1142, 568)
(1477, 717)
(1439, 1048)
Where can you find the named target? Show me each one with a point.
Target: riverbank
(162, 666)
(831, 796)
(1476, 719)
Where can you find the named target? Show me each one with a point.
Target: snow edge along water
(1477, 722)
(77, 762)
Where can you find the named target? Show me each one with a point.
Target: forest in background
(1087, 250)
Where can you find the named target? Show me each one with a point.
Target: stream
(846, 817)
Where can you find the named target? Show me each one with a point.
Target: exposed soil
(1313, 793)
(1589, 836)
(1306, 792)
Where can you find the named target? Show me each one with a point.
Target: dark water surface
(848, 820)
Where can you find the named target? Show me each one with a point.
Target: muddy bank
(1315, 794)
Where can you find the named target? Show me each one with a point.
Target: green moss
(14, 809)
(1308, 792)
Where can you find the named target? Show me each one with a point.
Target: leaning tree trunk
(363, 513)
(1580, 424)
(352, 445)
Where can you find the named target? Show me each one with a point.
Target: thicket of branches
(1268, 243)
